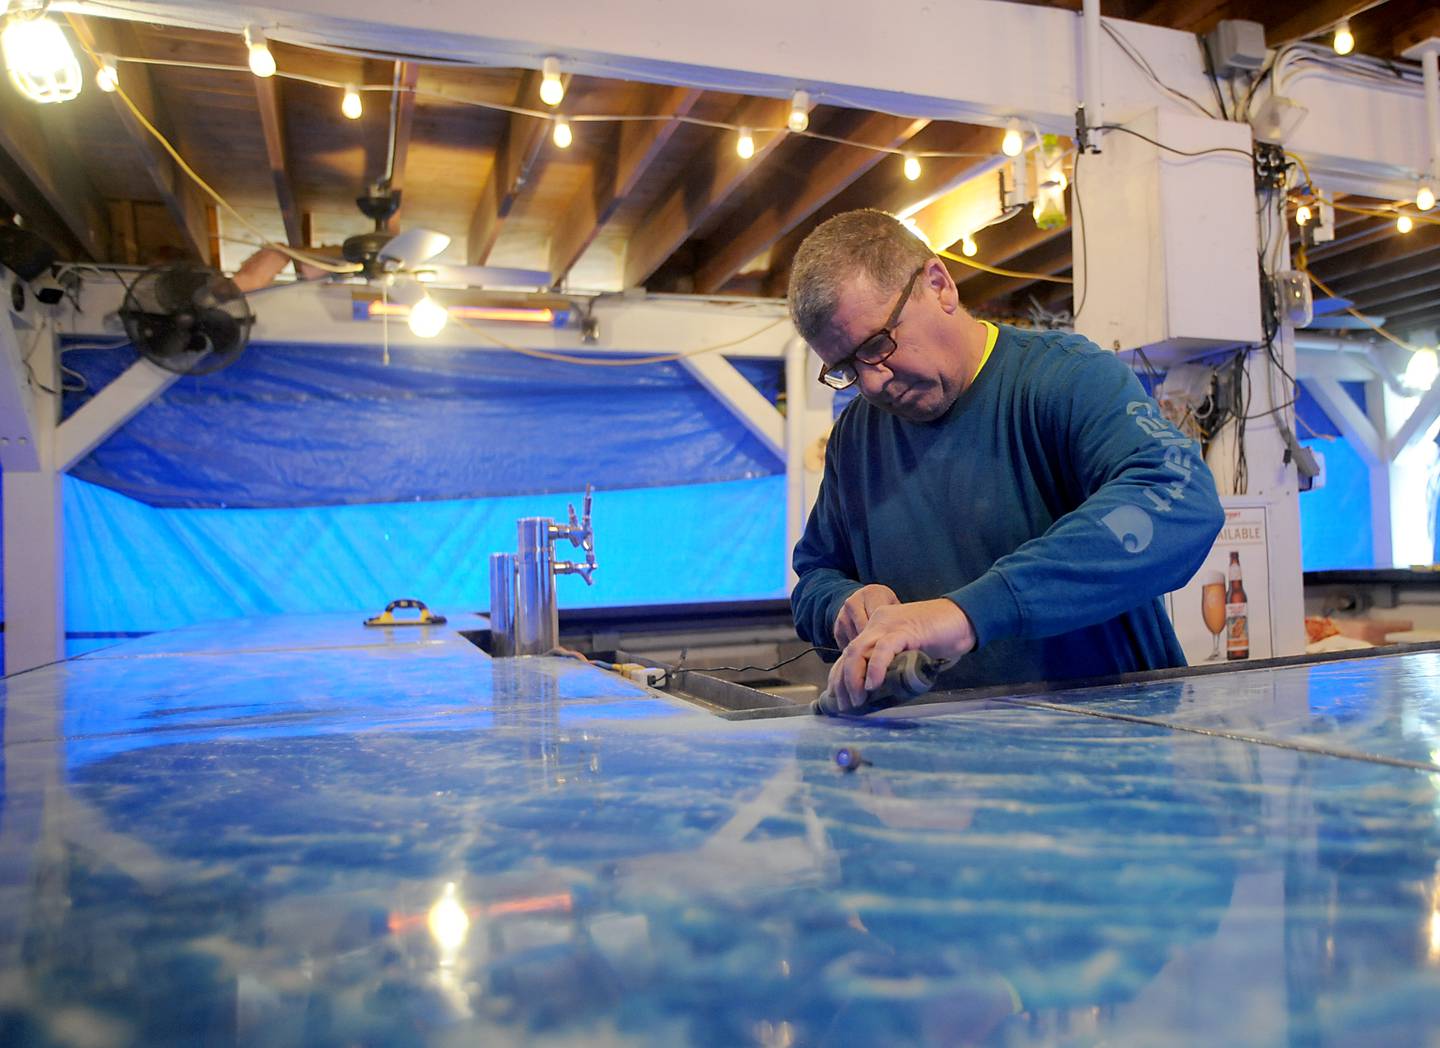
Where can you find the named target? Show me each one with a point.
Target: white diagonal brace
(1346, 414)
(1419, 422)
(742, 399)
(108, 410)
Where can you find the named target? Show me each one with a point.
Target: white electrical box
(1170, 258)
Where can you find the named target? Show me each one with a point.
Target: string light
(745, 144)
(428, 318)
(1302, 215)
(1422, 369)
(40, 61)
(107, 77)
(262, 62)
(1404, 224)
(969, 248)
(1425, 198)
(1344, 39)
(552, 91)
(350, 104)
(1013, 142)
(562, 135)
(912, 168)
(799, 112)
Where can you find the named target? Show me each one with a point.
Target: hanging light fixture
(1404, 224)
(1302, 215)
(562, 135)
(39, 59)
(428, 318)
(107, 77)
(350, 105)
(745, 144)
(969, 248)
(1344, 41)
(799, 112)
(552, 91)
(912, 167)
(262, 62)
(1425, 198)
(1013, 142)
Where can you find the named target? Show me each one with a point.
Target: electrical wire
(629, 362)
(1171, 149)
(1148, 70)
(767, 669)
(1003, 272)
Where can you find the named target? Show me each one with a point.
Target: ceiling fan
(382, 255)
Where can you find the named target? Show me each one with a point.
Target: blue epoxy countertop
(301, 832)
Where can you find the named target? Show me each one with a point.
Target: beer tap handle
(579, 532)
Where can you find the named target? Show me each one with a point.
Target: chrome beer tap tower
(524, 616)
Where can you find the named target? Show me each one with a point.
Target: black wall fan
(187, 318)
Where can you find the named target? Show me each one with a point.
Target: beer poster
(1223, 613)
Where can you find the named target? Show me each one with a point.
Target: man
(1008, 496)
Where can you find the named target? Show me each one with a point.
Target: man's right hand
(856, 611)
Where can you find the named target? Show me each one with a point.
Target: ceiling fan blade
(414, 246)
(491, 276)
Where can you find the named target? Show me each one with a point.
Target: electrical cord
(767, 669)
(1003, 272)
(1171, 149)
(1149, 70)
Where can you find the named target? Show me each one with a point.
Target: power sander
(910, 675)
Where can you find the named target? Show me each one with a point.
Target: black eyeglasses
(876, 349)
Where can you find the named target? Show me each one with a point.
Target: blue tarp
(333, 425)
(130, 567)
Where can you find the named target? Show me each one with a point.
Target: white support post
(1377, 398)
(19, 446)
(1418, 424)
(809, 410)
(742, 399)
(108, 410)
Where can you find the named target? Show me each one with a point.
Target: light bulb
(552, 91)
(912, 168)
(1344, 39)
(745, 144)
(969, 248)
(350, 104)
(1013, 142)
(1403, 224)
(1421, 371)
(41, 64)
(799, 112)
(1302, 215)
(107, 77)
(1425, 198)
(562, 135)
(428, 318)
(262, 62)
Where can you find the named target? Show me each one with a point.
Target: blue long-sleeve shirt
(1052, 503)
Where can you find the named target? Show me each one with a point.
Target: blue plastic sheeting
(332, 425)
(1335, 527)
(132, 567)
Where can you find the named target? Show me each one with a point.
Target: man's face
(922, 377)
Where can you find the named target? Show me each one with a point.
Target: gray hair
(865, 243)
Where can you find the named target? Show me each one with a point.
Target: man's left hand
(936, 627)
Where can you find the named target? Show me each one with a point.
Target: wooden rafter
(1395, 248)
(697, 195)
(1364, 286)
(272, 121)
(1313, 18)
(515, 157)
(608, 183)
(183, 200)
(42, 178)
(787, 205)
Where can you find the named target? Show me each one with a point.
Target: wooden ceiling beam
(184, 201)
(1365, 284)
(515, 158)
(785, 206)
(1048, 259)
(607, 184)
(1312, 19)
(269, 98)
(43, 179)
(1395, 248)
(885, 189)
(697, 195)
(1194, 16)
(1406, 312)
(1380, 300)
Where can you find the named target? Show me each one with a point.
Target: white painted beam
(740, 397)
(1352, 420)
(19, 449)
(809, 411)
(34, 566)
(108, 410)
(1418, 424)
